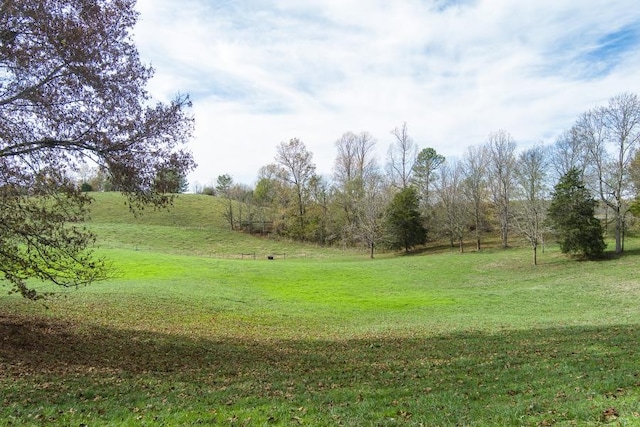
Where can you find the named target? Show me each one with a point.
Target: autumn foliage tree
(72, 91)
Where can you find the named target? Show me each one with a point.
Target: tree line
(417, 195)
(73, 92)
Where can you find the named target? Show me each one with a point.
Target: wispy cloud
(610, 50)
(261, 72)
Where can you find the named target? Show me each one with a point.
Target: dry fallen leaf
(610, 414)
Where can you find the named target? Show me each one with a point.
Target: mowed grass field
(191, 332)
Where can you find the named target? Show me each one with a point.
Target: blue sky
(262, 72)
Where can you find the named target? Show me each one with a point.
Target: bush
(209, 191)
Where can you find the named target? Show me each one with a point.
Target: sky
(263, 72)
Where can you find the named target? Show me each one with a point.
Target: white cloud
(262, 72)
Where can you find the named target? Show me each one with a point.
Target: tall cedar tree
(403, 223)
(571, 215)
(72, 92)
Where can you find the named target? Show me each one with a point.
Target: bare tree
(475, 188)
(531, 191)
(568, 153)
(355, 158)
(371, 209)
(345, 168)
(298, 170)
(355, 162)
(366, 163)
(243, 195)
(501, 148)
(401, 157)
(612, 134)
(453, 204)
(320, 194)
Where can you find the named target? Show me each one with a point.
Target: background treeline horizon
(416, 195)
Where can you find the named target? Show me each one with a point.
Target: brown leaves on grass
(317, 376)
(610, 414)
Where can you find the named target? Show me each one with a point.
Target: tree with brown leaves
(72, 92)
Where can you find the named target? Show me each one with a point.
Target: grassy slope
(181, 337)
(194, 225)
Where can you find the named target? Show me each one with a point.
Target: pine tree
(571, 215)
(403, 224)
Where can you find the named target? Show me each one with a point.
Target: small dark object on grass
(270, 257)
(610, 414)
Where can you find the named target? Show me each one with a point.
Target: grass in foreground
(67, 375)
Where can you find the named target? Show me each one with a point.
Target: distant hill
(194, 225)
(188, 210)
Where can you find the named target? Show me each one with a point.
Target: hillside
(194, 225)
(481, 338)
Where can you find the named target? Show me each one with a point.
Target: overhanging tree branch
(72, 87)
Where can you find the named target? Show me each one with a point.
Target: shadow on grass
(631, 252)
(57, 373)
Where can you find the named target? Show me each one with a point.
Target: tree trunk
(477, 230)
(301, 212)
(618, 233)
(504, 232)
(231, 214)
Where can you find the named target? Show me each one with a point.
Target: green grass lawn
(189, 334)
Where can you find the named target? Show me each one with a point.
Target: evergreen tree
(571, 214)
(403, 223)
